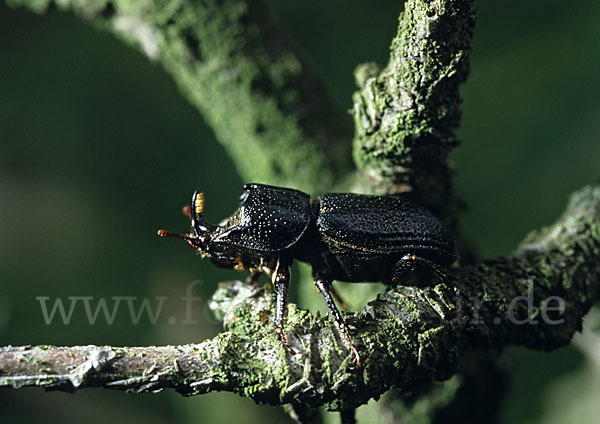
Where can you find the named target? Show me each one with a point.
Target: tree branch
(408, 336)
(234, 63)
(406, 115)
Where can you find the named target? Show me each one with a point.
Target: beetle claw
(325, 288)
(350, 345)
(283, 339)
(357, 359)
(459, 299)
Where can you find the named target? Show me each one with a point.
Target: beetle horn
(199, 224)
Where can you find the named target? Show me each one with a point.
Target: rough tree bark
(230, 56)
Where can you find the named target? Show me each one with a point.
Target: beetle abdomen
(380, 223)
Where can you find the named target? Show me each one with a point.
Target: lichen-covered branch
(406, 115)
(407, 337)
(234, 63)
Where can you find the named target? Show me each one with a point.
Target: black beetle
(343, 236)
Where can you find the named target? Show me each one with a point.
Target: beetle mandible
(343, 236)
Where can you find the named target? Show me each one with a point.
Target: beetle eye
(244, 196)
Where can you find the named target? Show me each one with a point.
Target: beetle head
(202, 231)
(204, 237)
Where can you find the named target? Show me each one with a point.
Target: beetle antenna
(192, 241)
(165, 233)
(198, 202)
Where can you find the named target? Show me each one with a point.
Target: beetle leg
(437, 271)
(408, 262)
(281, 278)
(324, 287)
(443, 276)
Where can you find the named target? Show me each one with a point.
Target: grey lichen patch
(138, 33)
(97, 358)
(582, 210)
(70, 377)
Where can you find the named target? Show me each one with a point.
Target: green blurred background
(98, 150)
